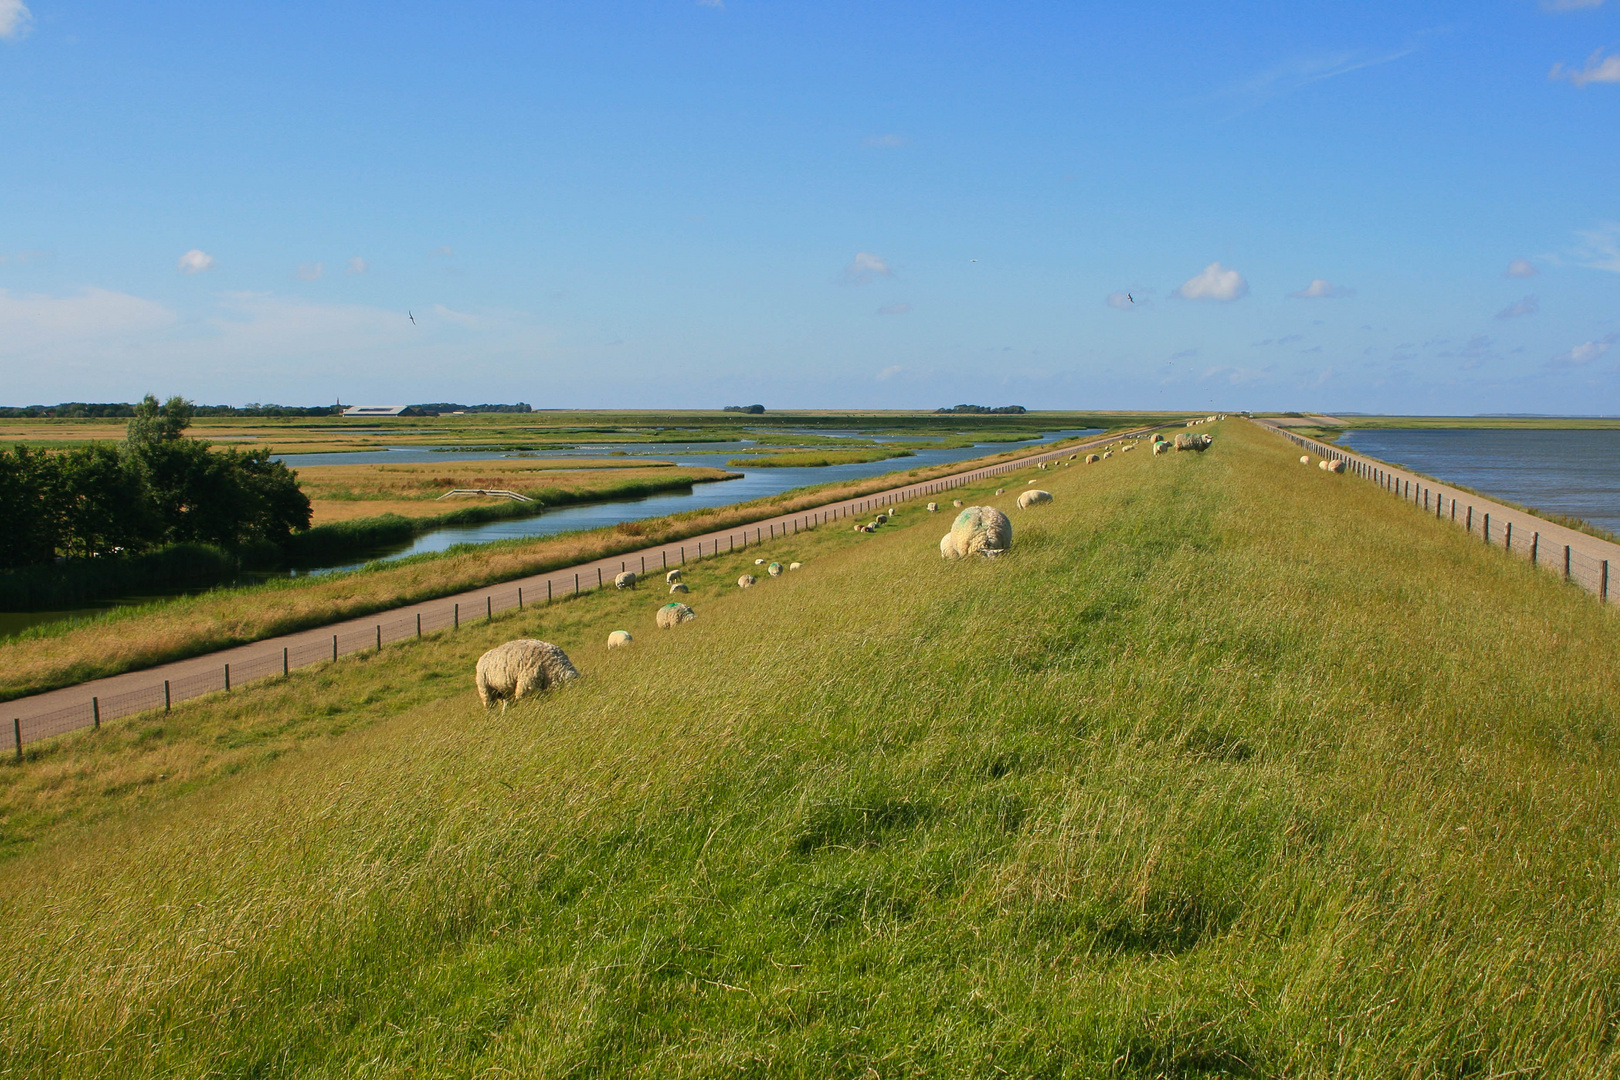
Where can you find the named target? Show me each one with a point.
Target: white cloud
(1215, 283)
(1598, 69)
(460, 318)
(1599, 248)
(38, 321)
(890, 372)
(1521, 268)
(866, 266)
(15, 20)
(1321, 290)
(886, 142)
(311, 271)
(441, 252)
(1301, 71)
(195, 262)
(1584, 353)
(1528, 306)
(357, 265)
(894, 309)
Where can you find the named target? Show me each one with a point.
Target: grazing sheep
(978, 530)
(673, 614)
(1304, 459)
(626, 580)
(518, 668)
(1127, 448)
(775, 569)
(1159, 448)
(1107, 454)
(794, 565)
(619, 639)
(1030, 481)
(1031, 498)
(881, 519)
(933, 508)
(746, 581)
(672, 577)
(1337, 466)
(1199, 443)
(679, 587)
(958, 502)
(759, 562)
(1001, 491)
(1092, 459)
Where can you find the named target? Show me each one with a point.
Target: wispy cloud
(1322, 290)
(195, 261)
(357, 265)
(894, 309)
(866, 266)
(889, 372)
(1584, 353)
(1301, 71)
(1598, 69)
(1599, 248)
(1215, 282)
(1521, 268)
(15, 20)
(885, 142)
(1528, 306)
(441, 252)
(311, 271)
(37, 320)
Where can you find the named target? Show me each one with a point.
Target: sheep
(1092, 459)
(619, 639)
(759, 562)
(933, 508)
(746, 581)
(1001, 491)
(673, 614)
(1033, 497)
(679, 587)
(978, 530)
(1031, 481)
(626, 580)
(1193, 442)
(1107, 454)
(881, 519)
(794, 565)
(672, 577)
(518, 668)
(1127, 448)
(958, 502)
(1338, 466)
(1304, 459)
(775, 569)
(1159, 448)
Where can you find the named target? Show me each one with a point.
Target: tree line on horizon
(153, 489)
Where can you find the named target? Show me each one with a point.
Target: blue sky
(1374, 206)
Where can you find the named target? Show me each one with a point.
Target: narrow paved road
(90, 703)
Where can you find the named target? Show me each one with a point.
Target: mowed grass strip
(1231, 767)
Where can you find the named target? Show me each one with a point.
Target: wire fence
(1514, 531)
(377, 633)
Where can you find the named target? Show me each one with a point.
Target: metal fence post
(95, 712)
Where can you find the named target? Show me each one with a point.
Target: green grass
(1230, 768)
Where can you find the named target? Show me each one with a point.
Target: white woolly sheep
(518, 668)
(958, 502)
(746, 581)
(933, 508)
(759, 562)
(775, 569)
(1337, 466)
(1159, 448)
(1304, 459)
(1092, 459)
(673, 614)
(978, 530)
(1001, 491)
(679, 587)
(1031, 498)
(672, 577)
(1199, 443)
(1107, 454)
(619, 639)
(881, 519)
(626, 580)
(1127, 448)
(794, 565)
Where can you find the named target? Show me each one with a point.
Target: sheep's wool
(978, 530)
(519, 668)
(673, 614)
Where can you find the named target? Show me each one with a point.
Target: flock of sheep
(1332, 465)
(517, 668)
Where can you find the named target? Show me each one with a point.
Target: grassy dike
(1230, 768)
(130, 638)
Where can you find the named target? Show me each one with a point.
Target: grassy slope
(1232, 767)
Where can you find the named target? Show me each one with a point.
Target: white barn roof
(374, 410)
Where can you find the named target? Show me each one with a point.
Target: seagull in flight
(1129, 297)
(411, 317)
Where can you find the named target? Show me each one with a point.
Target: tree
(154, 424)
(30, 494)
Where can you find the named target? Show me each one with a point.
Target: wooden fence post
(95, 712)
(16, 733)
(419, 625)
(520, 598)
(165, 695)
(334, 646)
(1566, 562)
(227, 678)
(1535, 542)
(379, 637)
(457, 615)
(286, 668)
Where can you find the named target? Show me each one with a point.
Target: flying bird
(1131, 298)
(411, 317)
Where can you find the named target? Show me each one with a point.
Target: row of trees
(155, 488)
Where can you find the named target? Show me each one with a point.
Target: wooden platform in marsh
(1175, 788)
